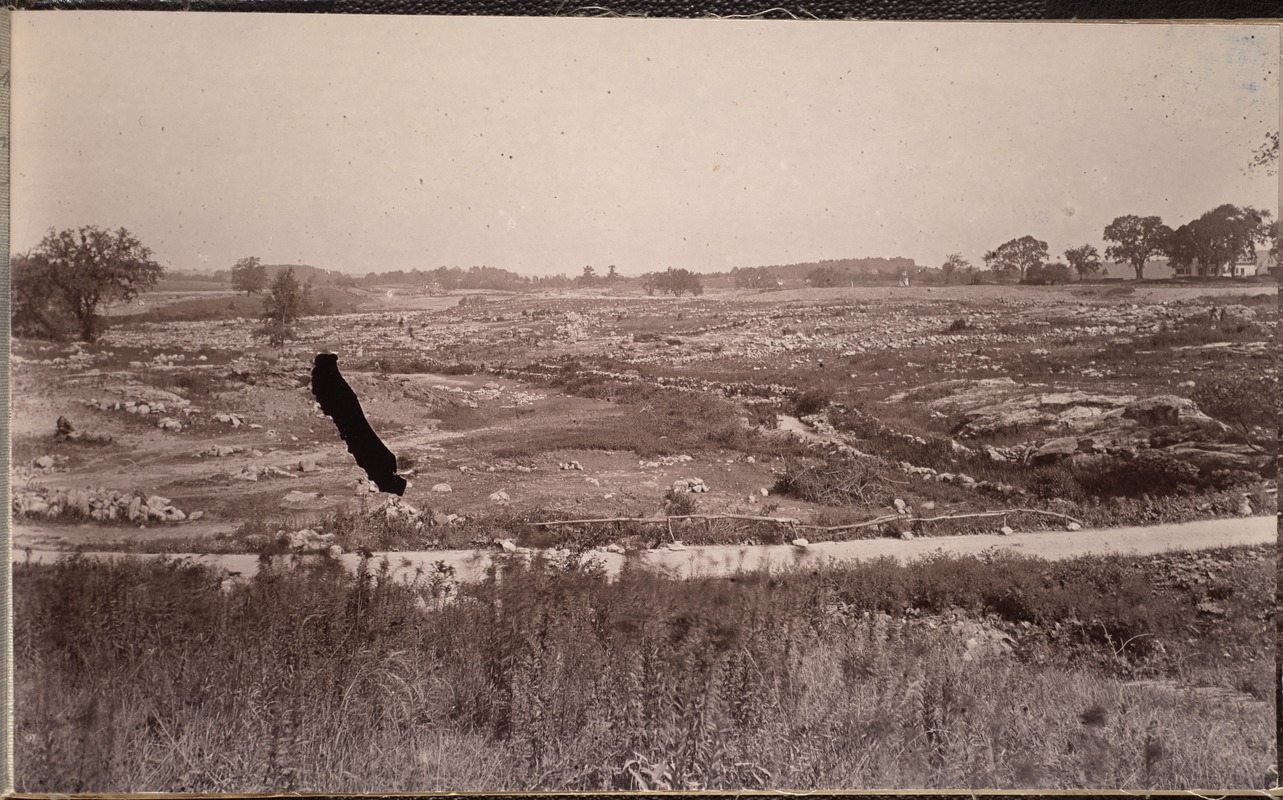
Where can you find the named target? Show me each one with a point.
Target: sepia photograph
(447, 404)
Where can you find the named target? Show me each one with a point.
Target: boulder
(297, 498)
(500, 496)
(1171, 411)
(1055, 450)
(307, 464)
(44, 462)
(442, 488)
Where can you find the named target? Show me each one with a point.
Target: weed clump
(830, 483)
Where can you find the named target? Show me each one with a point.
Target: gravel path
(470, 565)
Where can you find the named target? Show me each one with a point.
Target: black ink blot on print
(339, 403)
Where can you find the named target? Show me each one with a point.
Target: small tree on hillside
(955, 264)
(1085, 260)
(249, 275)
(612, 273)
(78, 271)
(1011, 260)
(589, 275)
(1135, 240)
(283, 307)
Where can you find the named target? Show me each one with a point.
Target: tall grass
(146, 676)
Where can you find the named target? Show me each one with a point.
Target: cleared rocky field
(819, 408)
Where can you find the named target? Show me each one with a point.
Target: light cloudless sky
(542, 145)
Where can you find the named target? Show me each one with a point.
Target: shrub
(811, 401)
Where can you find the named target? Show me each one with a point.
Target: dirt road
(470, 565)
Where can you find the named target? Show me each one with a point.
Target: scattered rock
(500, 496)
(800, 542)
(1073, 526)
(44, 462)
(297, 498)
(442, 488)
(1006, 530)
(900, 507)
(571, 465)
(508, 545)
(307, 464)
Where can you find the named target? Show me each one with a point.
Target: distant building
(1261, 264)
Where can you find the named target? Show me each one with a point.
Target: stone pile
(395, 508)
(98, 504)
(693, 485)
(307, 539)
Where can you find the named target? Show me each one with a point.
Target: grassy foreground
(1003, 671)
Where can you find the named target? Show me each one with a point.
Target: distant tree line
(1210, 245)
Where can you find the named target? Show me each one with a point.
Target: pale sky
(542, 145)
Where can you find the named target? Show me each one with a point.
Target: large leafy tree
(1085, 260)
(249, 275)
(1134, 240)
(1219, 238)
(73, 273)
(1011, 260)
